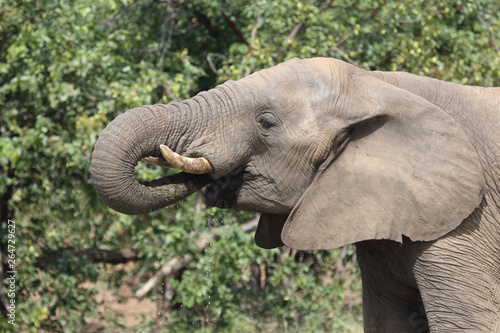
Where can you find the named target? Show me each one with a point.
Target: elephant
(405, 167)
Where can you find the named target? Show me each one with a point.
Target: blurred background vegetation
(67, 68)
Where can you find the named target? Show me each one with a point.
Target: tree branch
(212, 64)
(172, 267)
(344, 55)
(120, 256)
(236, 31)
(299, 25)
(480, 17)
(168, 92)
(119, 15)
(164, 45)
(294, 32)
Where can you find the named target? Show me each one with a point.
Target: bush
(68, 67)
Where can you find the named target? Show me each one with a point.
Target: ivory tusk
(198, 165)
(159, 161)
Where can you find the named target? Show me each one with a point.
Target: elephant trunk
(130, 137)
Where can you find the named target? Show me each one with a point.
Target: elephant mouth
(182, 178)
(219, 192)
(223, 192)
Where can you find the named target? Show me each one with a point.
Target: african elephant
(404, 166)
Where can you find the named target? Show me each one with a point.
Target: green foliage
(450, 40)
(68, 67)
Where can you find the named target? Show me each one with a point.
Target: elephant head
(327, 152)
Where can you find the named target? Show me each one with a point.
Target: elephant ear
(409, 169)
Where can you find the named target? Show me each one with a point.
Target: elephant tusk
(159, 161)
(198, 165)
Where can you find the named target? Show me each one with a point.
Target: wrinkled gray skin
(406, 167)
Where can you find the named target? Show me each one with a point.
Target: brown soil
(122, 305)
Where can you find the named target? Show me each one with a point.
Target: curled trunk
(136, 134)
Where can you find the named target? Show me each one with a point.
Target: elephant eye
(265, 124)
